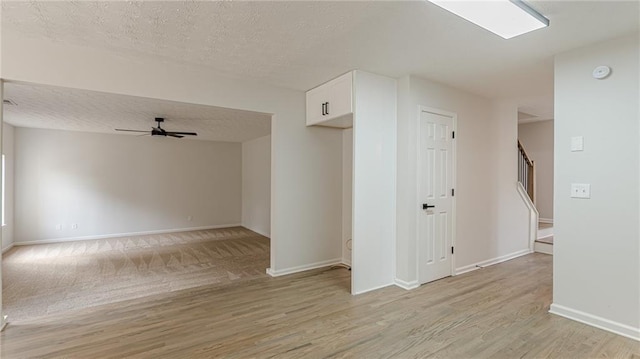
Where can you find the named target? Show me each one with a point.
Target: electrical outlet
(58, 227)
(189, 218)
(74, 226)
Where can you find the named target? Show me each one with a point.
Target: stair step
(545, 232)
(541, 247)
(548, 240)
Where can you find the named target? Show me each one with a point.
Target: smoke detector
(601, 72)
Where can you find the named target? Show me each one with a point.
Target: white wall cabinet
(331, 104)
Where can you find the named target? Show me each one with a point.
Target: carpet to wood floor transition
(51, 278)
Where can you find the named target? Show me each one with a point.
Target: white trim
(5, 250)
(302, 268)
(595, 321)
(545, 220)
(454, 182)
(372, 289)
(545, 248)
(407, 285)
(490, 262)
(533, 214)
(115, 235)
(3, 322)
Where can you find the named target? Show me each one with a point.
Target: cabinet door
(315, 100)
(340, 93)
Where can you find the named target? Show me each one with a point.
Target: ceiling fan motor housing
(159, 131)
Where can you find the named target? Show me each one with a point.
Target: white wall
(492, 221)
(8, 133)
(374, 182)
(347, 194)
(537, 139)
(596, 258)
(306, 162)
(3, 322)
(510, 215)
(113, 184)
(256, 185)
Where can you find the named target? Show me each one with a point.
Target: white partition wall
(374, 182)
(2, 321)
(256, 185)
(302, 159)
(596, 254)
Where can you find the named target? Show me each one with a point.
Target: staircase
(526, 176)
(544, 243)
(526, 172)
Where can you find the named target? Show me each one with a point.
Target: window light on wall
(506, 18)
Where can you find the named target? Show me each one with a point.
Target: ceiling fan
(159, 131)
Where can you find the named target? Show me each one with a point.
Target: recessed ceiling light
(9, 102)
(506, 18)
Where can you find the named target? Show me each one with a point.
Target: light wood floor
(496, 312)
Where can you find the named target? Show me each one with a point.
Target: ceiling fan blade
(119, 129)
(182, 133)
(173, 135)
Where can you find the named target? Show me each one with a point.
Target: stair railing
(526, 172)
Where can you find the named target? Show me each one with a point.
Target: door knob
(426, 206)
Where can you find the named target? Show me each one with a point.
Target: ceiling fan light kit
(159, 131)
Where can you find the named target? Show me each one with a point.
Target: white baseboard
(4, 250)
(490, 262)
(372, 289)
(595, 321)
(407, 285)
(115, 235)
(302, 268)
(545, 220)
(545, 248)
(262, 233)
(3, 322)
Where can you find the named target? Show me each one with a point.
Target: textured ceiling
(79, 110)
(260, 40)
(300, 44)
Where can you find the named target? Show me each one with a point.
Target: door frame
(418, 201)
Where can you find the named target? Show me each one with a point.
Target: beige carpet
(50, 278)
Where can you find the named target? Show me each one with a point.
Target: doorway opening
(99, 216)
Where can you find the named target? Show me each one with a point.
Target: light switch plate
(580, 190)
(577, 143)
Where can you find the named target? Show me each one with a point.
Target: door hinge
(451, 250)
(453, 134)
(453, 192)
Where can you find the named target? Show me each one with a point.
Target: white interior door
(435, 185)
